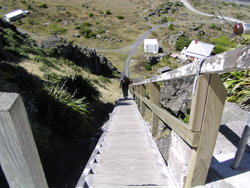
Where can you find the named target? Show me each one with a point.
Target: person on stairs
(124, 85)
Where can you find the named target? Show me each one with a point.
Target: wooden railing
(206, 108)
(19, 158)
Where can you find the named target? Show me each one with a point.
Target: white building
(151, 46)
(15, 15)
(197, 50)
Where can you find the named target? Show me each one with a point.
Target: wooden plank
(198, 102)
(201, 157)
(175, 124)
(18, 153)
(143, 94)
(234, 60)
(155, 99)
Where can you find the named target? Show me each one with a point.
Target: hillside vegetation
(61, 97)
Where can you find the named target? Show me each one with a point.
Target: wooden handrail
(235, 60)
(19, 157)
(206, 109)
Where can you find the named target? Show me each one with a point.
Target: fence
(206, 108)
(19, 158)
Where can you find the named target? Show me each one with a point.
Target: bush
(56, 30)
(171, 27)
(43, 5)
(86, 24)
(214, 26)
(222, 44)
(79, 87)
(108, 12)
(91, 14)
(29, 7)
(148, 67)
(120, 17)
(182, 42)
(101, 31)
(87, 32)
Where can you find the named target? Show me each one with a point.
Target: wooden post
(143, 94)
(155, 98)
(209, 117)
(138, 99)
(18, 153)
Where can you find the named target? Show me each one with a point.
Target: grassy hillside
(64, 105)
(112, 23)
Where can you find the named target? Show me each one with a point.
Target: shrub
(214, 26)
(43, 5)
(29, 7)
(56, 30)
(86, 24)
(79, 87)
(148, 67)
(91, 14)
(108, 12)
(87, 32)
(120, 17)
(171, 27)
(222, 44)
(101, 31)
(182, 42)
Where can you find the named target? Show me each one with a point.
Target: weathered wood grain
(175, 124)
(201, 157)
(143, 93)
(238, 59)
(198, 102)
(155, 99)
(18, 153)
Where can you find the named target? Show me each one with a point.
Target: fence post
(143, 94)
(19, 157)
(207, 106)
(155, 98)
(138, 99)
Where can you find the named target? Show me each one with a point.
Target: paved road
(188, 6)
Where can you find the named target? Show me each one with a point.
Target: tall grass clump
(237, 85)
(222, 44)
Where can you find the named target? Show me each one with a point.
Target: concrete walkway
(126, 155)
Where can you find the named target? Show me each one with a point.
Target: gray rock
(82, 56)
(76, 35)
(154, 59)
(176, 95)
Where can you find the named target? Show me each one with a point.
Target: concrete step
(127, 180)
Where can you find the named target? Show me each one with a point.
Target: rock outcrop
(176, 95)
(82, 56)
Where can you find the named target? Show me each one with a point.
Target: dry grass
(117, 59)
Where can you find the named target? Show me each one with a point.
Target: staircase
(126, 155)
